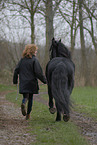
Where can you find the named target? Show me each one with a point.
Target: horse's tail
(60, 90)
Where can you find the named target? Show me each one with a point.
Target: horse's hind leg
(66, 116)
(51, 104)
(58, 118)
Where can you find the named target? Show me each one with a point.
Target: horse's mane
(58, 49)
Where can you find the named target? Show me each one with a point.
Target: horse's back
(57, 61)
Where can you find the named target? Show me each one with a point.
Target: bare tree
(70, 16)
(76, 17)
(84, 65)
(48, 10)
(49, 15)
(25, 9)
(82, 39)
(92, 15)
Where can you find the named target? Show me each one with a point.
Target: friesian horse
(60, 79)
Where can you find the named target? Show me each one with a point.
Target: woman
(29, 70)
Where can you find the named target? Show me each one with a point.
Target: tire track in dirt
(13, 126)
(87, 125)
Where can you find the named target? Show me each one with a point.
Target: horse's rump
(52, 64)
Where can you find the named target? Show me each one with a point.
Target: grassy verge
(4, 88)
(44, 128)
(85, 100)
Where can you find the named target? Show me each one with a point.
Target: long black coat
(29, 70)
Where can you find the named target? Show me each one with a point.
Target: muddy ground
(14, 128)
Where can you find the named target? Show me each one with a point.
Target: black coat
(29, 70)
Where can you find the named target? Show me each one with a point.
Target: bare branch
(57, 4)
(37, 6)
(64, 16)
(89, 12)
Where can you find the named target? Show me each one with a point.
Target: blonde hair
(29, 50)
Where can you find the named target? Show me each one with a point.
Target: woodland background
(38, 21)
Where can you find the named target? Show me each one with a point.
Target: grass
(7, 88)
(85, 100)
(49, 132)
(42, 123)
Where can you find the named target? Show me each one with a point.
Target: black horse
(60, 78)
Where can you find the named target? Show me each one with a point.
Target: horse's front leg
(51, 103)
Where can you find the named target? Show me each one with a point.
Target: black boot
(23, 109)
(27, 116)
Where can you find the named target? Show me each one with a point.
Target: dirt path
(87, 126)
(13, 126)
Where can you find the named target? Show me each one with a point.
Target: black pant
(28, 97)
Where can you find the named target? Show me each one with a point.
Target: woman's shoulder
(34, 58)
(20, 60)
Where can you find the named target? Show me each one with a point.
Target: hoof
(66, 117)
(52, 110)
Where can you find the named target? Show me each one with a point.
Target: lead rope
(17, 92)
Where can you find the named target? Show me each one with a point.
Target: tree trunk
(72, 28)
(32, 22)
(84, 65)
(81, 26)
(92, 35)
(49, 27)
